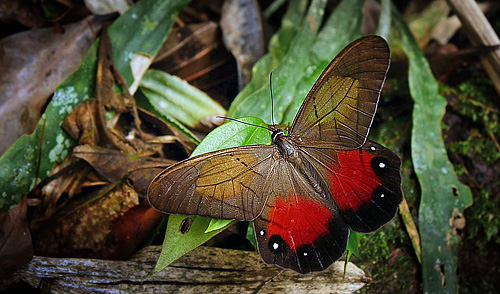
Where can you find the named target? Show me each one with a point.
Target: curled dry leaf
(114, 165)
(185, 45)
(16, 248)
(82, 123)
(114, 99)
(241, 25)
(34, 63)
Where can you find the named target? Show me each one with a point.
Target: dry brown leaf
(114, 165)
(82, 123)
(33, 63)
(16, 248)
(152, 124)
(241, 25)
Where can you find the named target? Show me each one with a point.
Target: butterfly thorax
(285, 145)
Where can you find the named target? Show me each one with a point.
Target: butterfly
(310, 186)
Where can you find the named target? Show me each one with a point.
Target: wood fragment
(204, 270)
(480, 33)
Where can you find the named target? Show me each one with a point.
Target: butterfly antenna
(272, 98)
(245, 123)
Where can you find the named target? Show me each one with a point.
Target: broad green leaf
(139, 32)
(234, 134)
(176, 244)
(442, 194)
(176, 98)
(231, 134)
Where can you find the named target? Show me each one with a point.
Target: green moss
(378, 246)
(475, 100)
(476, 147)
(392, 269)
(483, 220)
(476, 103)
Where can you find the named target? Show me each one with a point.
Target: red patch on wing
(354, 179)
(298, 220)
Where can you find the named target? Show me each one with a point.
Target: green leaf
(176, 244)
(441, 192)
(234, 134)
(354, 241)
(231, 134)
(176, 98)
(217, 224)
(139, 32)
(251, 235)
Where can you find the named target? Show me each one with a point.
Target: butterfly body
(312, 184)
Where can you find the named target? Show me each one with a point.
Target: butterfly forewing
(339, 109)
(225, 184)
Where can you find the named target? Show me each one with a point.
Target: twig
(480, 33)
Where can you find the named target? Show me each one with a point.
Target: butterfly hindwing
(364, 184)
(298, 228)
(339, 109)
